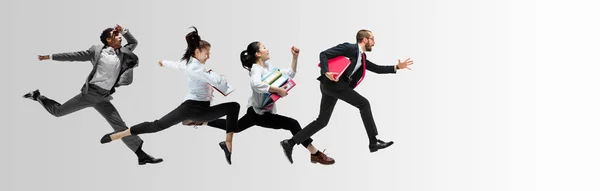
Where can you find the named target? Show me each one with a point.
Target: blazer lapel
(354, 57)
(364, 70)
(129, 58)
(128, 52)
(97, 54)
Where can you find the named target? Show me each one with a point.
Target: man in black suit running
(333, 88)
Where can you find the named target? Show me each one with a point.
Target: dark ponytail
(248, 56)
(193, 42)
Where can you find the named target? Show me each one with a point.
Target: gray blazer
(128, 62)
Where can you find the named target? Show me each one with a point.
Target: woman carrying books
(254, 59)
(197, 103)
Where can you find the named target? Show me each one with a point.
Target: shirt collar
(360, 51)
(110, 50)
(194, 60)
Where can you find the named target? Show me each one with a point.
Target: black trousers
(193, 110)
(329, 97)
(268, 120)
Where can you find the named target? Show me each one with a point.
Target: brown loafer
(322, 158)
(192, 123)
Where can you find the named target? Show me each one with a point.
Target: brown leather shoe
(192, 123)
(322, 158)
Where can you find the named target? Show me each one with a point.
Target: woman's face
(202, 55)
(263, 53)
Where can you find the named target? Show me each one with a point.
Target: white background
(502, 96)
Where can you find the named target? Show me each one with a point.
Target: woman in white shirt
(254, 60)
(197, 104)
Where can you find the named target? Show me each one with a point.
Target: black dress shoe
(149, 159)
(287, 149)
(227, 153)
(380, 145)
(33, 95)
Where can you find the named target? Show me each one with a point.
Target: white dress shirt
(200, 80)
(108, 69)
(358, 61)
(259, 89)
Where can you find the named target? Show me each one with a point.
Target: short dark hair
(106, 34)
(363, 33)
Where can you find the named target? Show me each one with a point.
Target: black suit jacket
(346, 80)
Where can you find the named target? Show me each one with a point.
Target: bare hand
(281, 92)
(160, 63)
(295, 51)
(118, 28)
(405, 64)
(43, 57)
(331, 76)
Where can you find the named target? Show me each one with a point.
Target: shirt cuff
(125, 31)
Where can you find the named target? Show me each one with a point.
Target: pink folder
(287, 86)
(338, 64)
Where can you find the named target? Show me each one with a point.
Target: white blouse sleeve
(181, 65)
(256, 83)
(288, 72)
(211, 77)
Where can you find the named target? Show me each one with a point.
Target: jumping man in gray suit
(112, 67)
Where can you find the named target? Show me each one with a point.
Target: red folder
(338, 64)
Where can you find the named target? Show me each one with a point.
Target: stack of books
(278, 79)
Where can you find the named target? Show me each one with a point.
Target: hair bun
(192, 38)
(195, 29)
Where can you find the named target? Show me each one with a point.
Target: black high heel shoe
(106, 138)
(227, 153)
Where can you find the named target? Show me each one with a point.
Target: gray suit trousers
(101, 103)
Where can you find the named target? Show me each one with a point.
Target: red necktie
(364, 63)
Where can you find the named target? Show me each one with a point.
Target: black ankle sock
(372, 141)
(140, 153)
(316, 154)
